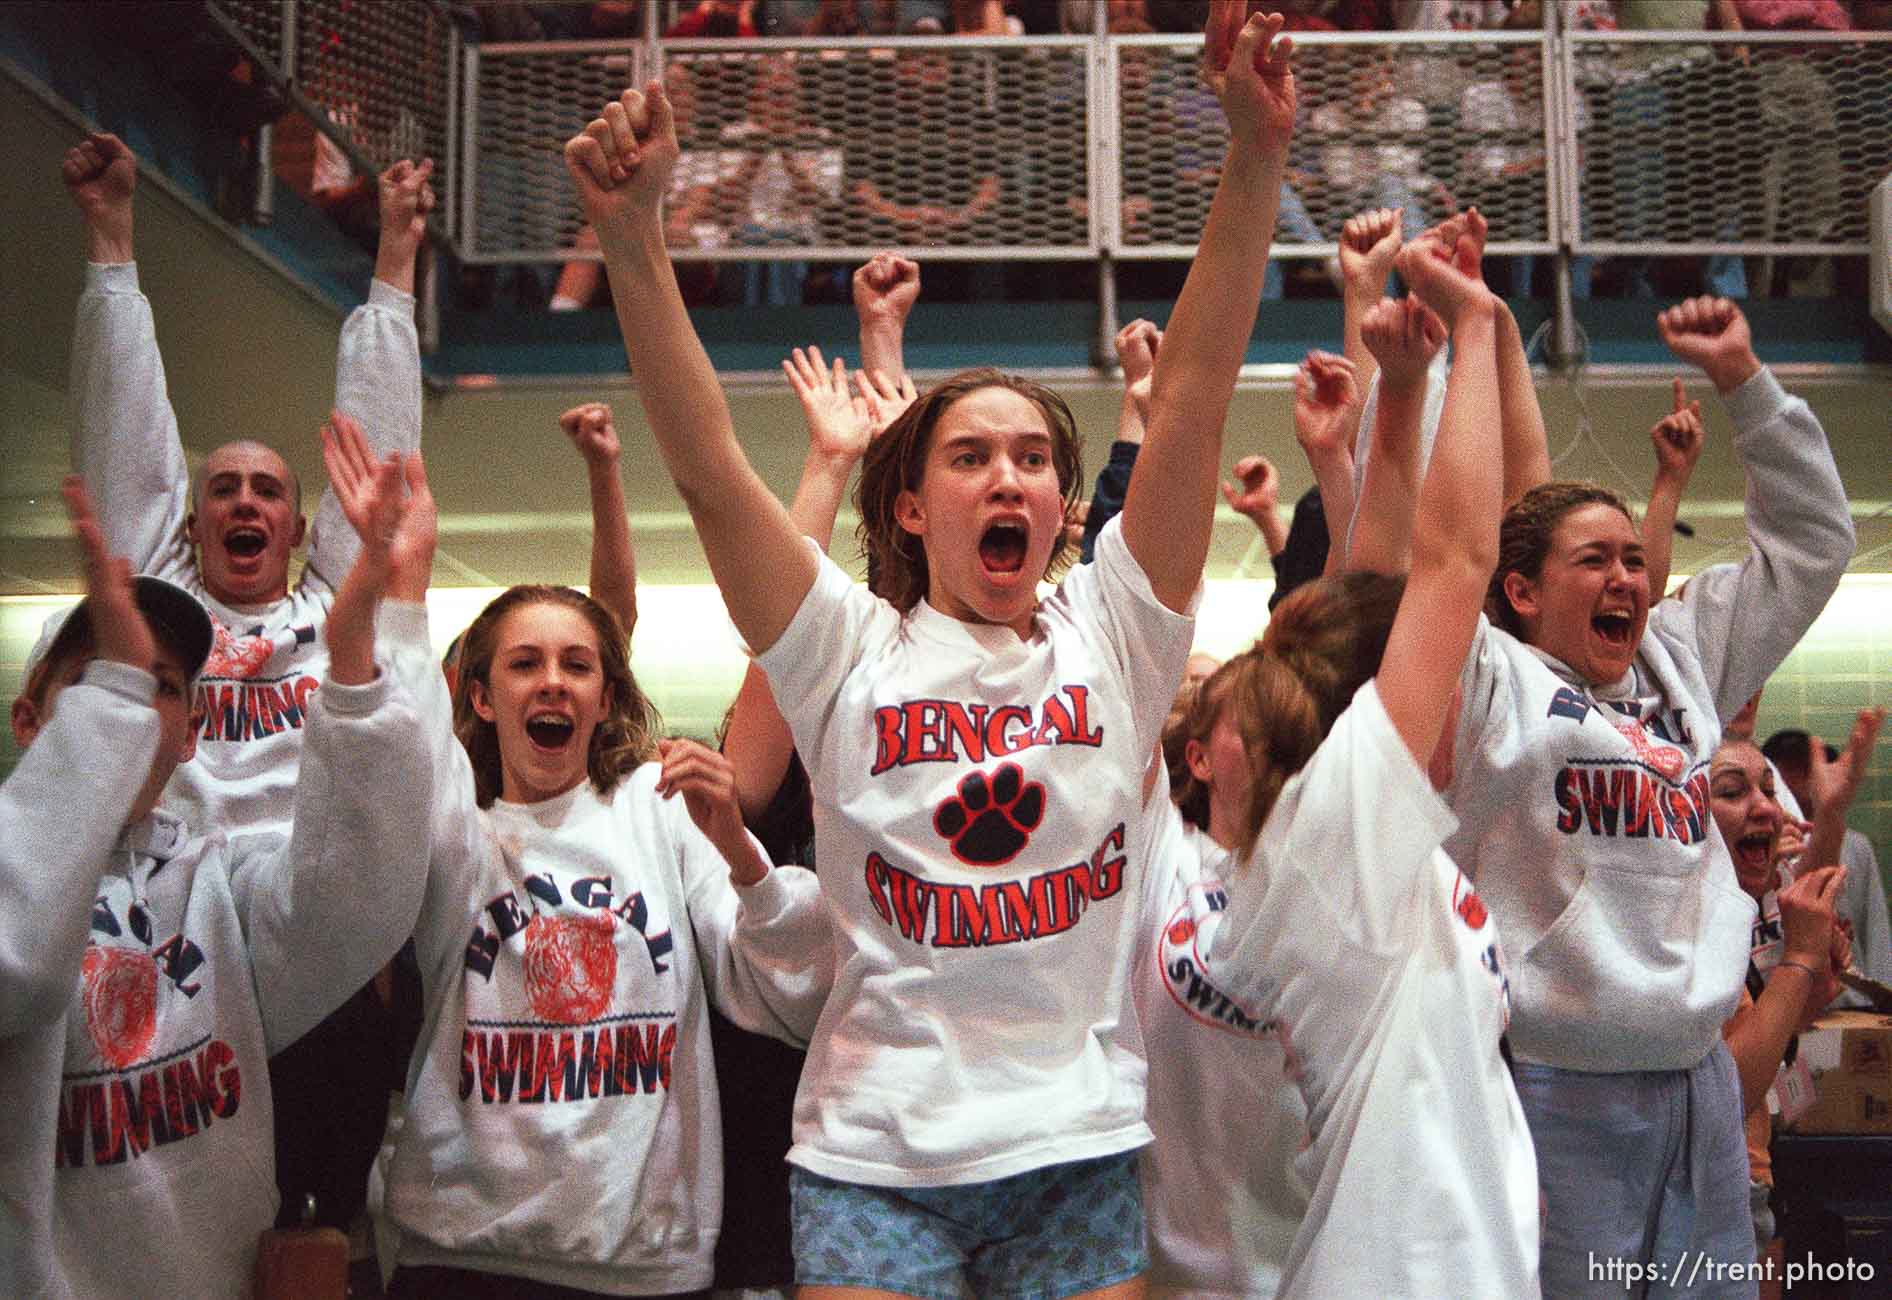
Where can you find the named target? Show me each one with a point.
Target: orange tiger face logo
(571, 966)
(121, 1003)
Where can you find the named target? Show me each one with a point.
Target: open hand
(411, 532)
(1246, 65)
(1835, 784)
(119, 629)
(886, 401)
(839, 425)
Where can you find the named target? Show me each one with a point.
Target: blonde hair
(625, 737)
(896, 462)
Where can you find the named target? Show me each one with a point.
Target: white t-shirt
(1220, 1190)
(1383, 973)
(978, 815)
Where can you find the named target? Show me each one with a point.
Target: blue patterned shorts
(1040, 1235)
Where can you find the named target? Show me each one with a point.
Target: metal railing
(1085, 147)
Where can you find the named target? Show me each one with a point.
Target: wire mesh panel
(1427, 126)
(1697, 145)
(261, 21)
(790, 150)
(527, 100)
(380, 72)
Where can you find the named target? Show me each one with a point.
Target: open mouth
(1615, 629)
(245, 543)
(1002, 548)
(549, 730)
(1752, 854)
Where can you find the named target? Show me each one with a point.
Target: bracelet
(1799, 965)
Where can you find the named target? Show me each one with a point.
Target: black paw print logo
(989, 822)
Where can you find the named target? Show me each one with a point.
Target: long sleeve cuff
(114, 277)
(383, 294)
(355, 701)
(121, 679)
(403, 622)
(1756, 401)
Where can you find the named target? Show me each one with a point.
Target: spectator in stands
(691, 211)
(1862, 904)
(1800, 178)
(1369, 145)
(932, 108)
(777, 174)
(727, 18)
(1504, 170)
(1651, 85)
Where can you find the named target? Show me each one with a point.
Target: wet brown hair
(1323, 643)
(1524, 539)
(896, 462)
(625, 736)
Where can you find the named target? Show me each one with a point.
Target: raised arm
(1797, 987)
(64, 805)
(1170, 509)
(124, 433)
(1745, 618)
(349, 629)
(1369, 242)
(840, 424)
(620, 166)
(1403, 335)
(377, 357)
(613, 562)
(1678, 440)
(1520, 418)
(1255, 494)
(1136, 345)
(1455, 539)
(1835, 785)
(1326, 400)
(885, 289)
(357, 858)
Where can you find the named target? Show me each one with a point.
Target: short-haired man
(227, 535)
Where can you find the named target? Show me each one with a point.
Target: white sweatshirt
(562, 1120)
(143, 1151)
(979, 820)
(1584, 811)
(268, 659)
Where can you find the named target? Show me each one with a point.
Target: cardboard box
(1850, 1056)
